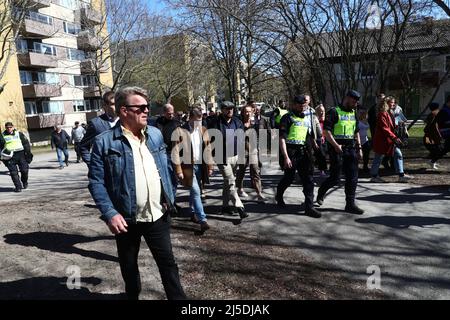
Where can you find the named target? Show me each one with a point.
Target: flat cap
(226, 105)
(301, 99)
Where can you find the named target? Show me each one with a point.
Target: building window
(78, 105)
(30, 108)
(22, 45)
(368, 69)
(48, 78)
(70, 4)
(83, 81)
(26, 77)
(42, 18)
(44, 48)
(56, 107)
(71, 28)
(76, 55)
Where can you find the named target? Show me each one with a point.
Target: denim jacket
(111, 172)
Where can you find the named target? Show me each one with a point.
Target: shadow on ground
(59, 242)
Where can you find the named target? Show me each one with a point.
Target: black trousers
(303, 163)
(346, 162)
(157, 237)
(320, 155)
(76, 146)
(18, 160)
(366, 147)
(440, 151)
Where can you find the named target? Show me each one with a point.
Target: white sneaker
(405, 178)
(242, 194)
(434, 166)
(377, 180)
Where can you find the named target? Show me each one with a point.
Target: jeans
(255, 174)
(157, 237)
(174, 179)
(398, 163)
(59, 154)
(195, 201)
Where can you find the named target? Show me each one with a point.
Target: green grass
(416, 131)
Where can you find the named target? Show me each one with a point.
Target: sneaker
(17, 190)
(313, 213)
(280, 202)
(204, 226)
(319, 200)
(354, 209)
(405, 178)
(242, 193)
(377, 180)
(261, 198)
(67, 163)
(61, 167)
(434, 165)
(242, 213)
(25, 185)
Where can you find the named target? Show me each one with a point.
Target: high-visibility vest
(280, 115)
(346, 125)
(12, 141)
(298, 130)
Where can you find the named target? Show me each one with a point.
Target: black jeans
(366, 147)
(18, 160)
(157, 237)
(348, 162)
(303, 162)
(320, 155)
(76, 147)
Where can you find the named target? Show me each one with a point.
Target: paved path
(405, 230)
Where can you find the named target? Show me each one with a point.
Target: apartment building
(55, 65)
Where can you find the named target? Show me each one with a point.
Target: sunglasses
(141, 107)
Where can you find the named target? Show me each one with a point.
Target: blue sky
(156, 5)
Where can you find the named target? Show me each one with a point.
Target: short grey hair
(167, 106)
(121, 96)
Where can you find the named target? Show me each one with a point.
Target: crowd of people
(136, 163)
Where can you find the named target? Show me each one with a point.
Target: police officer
(297, 136)
(342, 133)
(16, 152)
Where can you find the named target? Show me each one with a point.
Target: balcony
(89, 16)
(37, 59)
(32, 28)
(91, 92)
(41, 91)
(88, 41)
(88, 66)
(45, 121)
(428, 79)
(39, 4)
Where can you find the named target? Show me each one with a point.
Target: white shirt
(148, 181)
(196, 141)
(113, 123)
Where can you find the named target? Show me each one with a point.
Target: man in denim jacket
(130, 183)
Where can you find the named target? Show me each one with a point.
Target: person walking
(195, 146)
(77, 135)
(443, 122)
(387, 143)
(98, 125)
(320, 153)
(130, 184)
(251, 152)
(432, 138)
(228, 125)
(16, 155)
(365, 141)
(344, 146)
(60, 140)
(297, 139)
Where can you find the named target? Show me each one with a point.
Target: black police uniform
(347, 161)
(302, 159)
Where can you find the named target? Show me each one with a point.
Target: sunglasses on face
(141, 107)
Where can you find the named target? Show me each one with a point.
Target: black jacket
(60, 140)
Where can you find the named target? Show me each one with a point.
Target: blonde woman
(386, 143)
